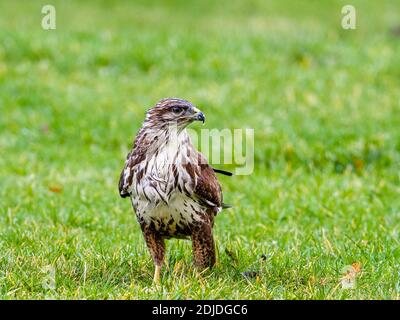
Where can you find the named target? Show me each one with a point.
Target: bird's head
(173, 112)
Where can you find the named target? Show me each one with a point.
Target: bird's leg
(157, 274)
(203, 245)
(156, 245)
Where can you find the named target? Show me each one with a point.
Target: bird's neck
(172, 138)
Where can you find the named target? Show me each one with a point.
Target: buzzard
(174, 191)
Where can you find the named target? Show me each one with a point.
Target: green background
(324, 106)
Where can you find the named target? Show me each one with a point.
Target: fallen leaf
(356, 267)
(358, 164)
(55, 189)
(348, 280)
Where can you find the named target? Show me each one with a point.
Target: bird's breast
(163, 196)
(174, 218)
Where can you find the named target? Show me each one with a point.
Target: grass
(324, 104)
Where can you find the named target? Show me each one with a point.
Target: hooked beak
(199, 116)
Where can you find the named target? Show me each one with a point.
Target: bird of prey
(174, 191)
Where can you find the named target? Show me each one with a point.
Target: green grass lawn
(324, 105)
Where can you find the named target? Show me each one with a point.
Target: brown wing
(133, 158)
(207, 189)
(125, 181)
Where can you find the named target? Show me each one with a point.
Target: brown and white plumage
(173, 189)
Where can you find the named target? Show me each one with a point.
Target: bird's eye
(176, 110)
